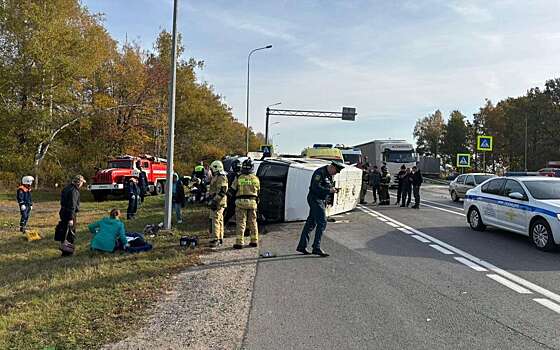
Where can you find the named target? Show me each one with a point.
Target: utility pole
(525, 142)
(171, 126)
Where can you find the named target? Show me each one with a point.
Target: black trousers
(416, 191)
(399, 192)
(406, 195)
(64, 231)
(230, 210)
(317, 220)
(132, 206)
(375, 191)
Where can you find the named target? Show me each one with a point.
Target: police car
(526, 205)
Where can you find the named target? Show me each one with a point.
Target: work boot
(303, 251)
(402, 205)
(221, 241)
(253, 244)
(320, 252)
(363, 202)
(237, 246)
(214, 243)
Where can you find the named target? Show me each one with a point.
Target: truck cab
(113, 179)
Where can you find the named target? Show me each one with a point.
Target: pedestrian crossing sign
(463, 160)
(267, 150)
(484, 143)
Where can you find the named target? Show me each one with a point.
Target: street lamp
(171, 126)
(248, 70)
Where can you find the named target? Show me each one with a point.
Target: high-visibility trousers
(246, 218)
(217, 217)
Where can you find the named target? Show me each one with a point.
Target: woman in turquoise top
(106, 232)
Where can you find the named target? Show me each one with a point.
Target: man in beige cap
(65, 231)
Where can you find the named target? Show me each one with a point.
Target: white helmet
(217, 166)
(27, 180)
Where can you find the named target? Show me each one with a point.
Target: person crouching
(25, 202)
(246, 188)
(108, 233)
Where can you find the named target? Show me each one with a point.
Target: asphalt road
(400, 278)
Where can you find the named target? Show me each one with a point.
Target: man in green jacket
(106, 232)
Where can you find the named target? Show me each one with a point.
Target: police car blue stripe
(504, 203)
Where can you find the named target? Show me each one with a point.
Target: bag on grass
(137, 243)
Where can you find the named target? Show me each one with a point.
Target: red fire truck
(114, 178)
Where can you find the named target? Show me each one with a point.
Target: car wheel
(541, 235)
(454, 196)
(475, 220)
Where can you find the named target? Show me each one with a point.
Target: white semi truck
(391, 153)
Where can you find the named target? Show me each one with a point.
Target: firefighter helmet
(236, 166)
(27, 180)
(247, 166)
(217, 166)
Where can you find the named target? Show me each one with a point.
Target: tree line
(71, 97)
(526, 130)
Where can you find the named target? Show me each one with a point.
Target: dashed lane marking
(548, 304)
(442, 209)
(404, 230)
(470, 264)
(420, 238)
(474, 260)
(441, 249)
(516, 287)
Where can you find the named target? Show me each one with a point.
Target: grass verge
(90, 299)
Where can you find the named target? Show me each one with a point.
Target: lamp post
(525, 142)
(248, 70)
(171, 134)
(267, 119)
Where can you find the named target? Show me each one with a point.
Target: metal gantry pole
(171, 121)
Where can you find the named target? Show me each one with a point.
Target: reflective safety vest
(247, 188)
(198, 168)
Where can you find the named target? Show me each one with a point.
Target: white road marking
(529, 285)
(470, 264)
(443, 205)
(445, 210)
(548, 304)
(441, 249)
(404, 230)
(516, 287)
(382, 219)
(420, 238)
(391, 224)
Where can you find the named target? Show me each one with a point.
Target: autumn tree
(428, 132)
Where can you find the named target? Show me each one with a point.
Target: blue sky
(395, 61)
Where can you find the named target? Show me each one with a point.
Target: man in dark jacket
(406, 188)
(178, 198)
(133, 198)
(320, 189)
(365, 181)
(416, 183)
(375, 182)
(65, 231)
(142, 181)
(400, 182)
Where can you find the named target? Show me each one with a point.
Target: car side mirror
(516, 195)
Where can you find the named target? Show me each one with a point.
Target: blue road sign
(484, 143)
(463, 160)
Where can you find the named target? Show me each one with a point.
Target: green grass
(85, 301)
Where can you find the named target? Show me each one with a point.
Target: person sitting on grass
(108, 233)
